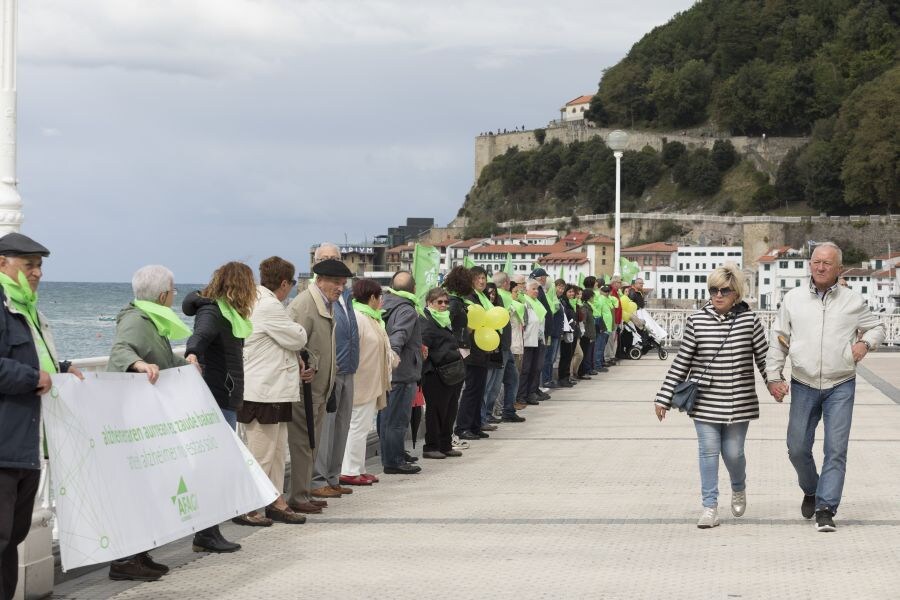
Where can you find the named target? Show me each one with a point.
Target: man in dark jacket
(333, 438)
(404, 332)
(27, 360)
(553, 328)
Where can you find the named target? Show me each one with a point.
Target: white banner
(135, 465)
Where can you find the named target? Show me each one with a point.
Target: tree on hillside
(681, 96)
(819, 169)
(723, 155)
(671, 152)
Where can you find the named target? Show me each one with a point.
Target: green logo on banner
(185, 501)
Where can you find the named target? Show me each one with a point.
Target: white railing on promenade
(673, 320)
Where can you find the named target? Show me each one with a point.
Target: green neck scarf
(441, 317)
(241, 328)
(573, 302)
(465, 301)
(485, 303)
(368, 311)
(553, 301)
(411, 297)
(167, 323)
(24, 299)
(515, 305)
(536, 306)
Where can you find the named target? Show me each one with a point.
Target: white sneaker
(708, 518)
(738, 503)
(458, 444)
(544, 389)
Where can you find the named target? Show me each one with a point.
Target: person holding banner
(143, 330)
(271, 384)
(221, 314)
(27, 359)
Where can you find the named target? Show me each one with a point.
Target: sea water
(83, 315)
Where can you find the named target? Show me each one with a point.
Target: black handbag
(452, 373)
(685, 393)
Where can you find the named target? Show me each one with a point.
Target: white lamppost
(10, 201)
(616, 140)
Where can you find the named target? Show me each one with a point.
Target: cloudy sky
(193, 132)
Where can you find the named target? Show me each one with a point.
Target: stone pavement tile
(590, 498)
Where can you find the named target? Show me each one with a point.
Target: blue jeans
(491, 391)
(230, 417)
(808, 406)
(599, 348)
(393, 421)
(549, 358)
(728, 440)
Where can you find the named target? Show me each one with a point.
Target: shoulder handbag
(685, 393)
(452, 373)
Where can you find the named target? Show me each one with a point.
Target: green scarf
(465, 301)
(240, 327)
(24, 299)
(369, 311)
(553, 302)
(167, 323)
(485, 303)
(411, 297)
(573, 302)
(515, 305)
(536, 306)
(441, 317)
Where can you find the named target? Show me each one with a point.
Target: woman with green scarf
(221, 314)
(144, 330)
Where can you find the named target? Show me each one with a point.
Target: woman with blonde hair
(221, 314)
(721, 343)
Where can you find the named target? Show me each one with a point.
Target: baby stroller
(640, 335)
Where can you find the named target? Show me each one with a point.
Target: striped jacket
(727, 391)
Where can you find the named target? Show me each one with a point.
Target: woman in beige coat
(371, 382)
(271, 383)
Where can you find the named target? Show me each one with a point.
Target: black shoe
(532, 400)
(808, 508)
(452, 453)
(565, 383)
(584, 378)
(481, 434)
(543, 396)
(593, 372)
(494, 420)
(433, 454)
(132, 569)
(513, 419)
(409, 457)
(824, 520)
(406, 469)
(602, 370)
(467, 435)
(211, 540)
(148, 561)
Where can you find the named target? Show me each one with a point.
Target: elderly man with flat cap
(314, 309)
(27, 360)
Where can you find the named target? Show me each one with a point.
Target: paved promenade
(590, 498)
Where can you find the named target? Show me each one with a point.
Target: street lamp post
(10, 201)
(616, 140)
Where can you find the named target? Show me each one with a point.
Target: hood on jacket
(193, 302)
(740, 307)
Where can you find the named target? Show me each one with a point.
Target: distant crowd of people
(312, 376)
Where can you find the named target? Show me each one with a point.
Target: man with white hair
(826, 330)
(507, 375)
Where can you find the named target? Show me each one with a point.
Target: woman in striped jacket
(721, 342)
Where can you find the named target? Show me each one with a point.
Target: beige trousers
(302, 456)
(577, 358)
(267, 444)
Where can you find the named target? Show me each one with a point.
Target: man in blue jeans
(402, 325)
(826, 329)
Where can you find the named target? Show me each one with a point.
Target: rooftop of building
(652, 247)
(564, 258)
(586, 99)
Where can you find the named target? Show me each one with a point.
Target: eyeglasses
(714, 291)
(442, 302)
(293, 282)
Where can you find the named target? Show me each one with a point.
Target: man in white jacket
(825, 329)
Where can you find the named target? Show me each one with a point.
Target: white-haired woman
(143, 330)
(722, 341)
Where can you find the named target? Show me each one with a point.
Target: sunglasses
(442, 302)
(714, 291)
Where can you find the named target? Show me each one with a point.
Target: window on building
(767, 267)
(603, 261)
(700, 254)
(783, 283)
(798, 264)
(604, 251)
(696, 294)
(796, 283)
(679, 293)
(782, 264)
(704, 266)
(766, 281)
(865, 289)
(647, 275)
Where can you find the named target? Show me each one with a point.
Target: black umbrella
(308, 404)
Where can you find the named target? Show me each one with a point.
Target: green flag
(508, 267)
(581, 280)
(468, 262)
(562, 273)
(628, 269)
(426, 270)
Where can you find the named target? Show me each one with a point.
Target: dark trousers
(530, 377)
(587, 363)
(469, 416)
(566, 352)
(441, 404)
(18, 488)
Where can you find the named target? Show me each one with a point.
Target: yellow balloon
(496, 318)
(487, 339)
(476, 315)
